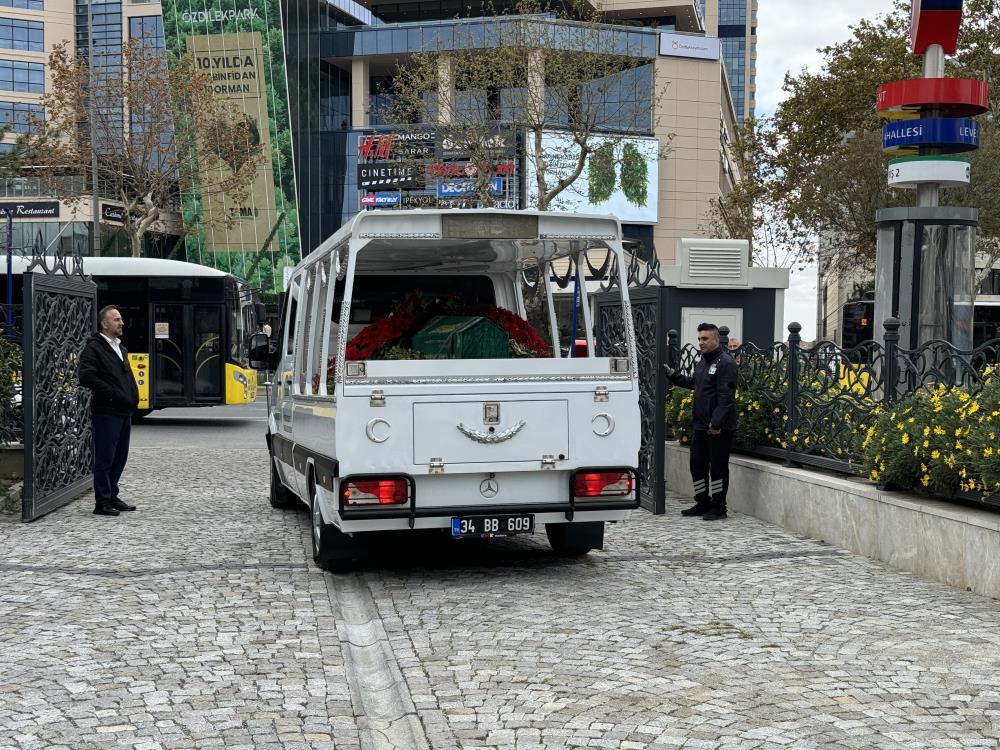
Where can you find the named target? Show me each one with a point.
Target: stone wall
(942, 541)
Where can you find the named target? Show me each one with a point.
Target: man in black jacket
(105, 370)
(714, 413)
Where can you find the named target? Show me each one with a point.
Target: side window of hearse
(291, 322)
(308, 310)
(321, 291)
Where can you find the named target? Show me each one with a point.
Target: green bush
(938, 441)
(754, 421)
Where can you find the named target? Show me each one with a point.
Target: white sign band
(921, 170)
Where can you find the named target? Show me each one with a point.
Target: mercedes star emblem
(489, 488)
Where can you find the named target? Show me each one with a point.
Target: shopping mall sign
(422, 168)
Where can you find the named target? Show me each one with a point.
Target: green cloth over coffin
(462, 337)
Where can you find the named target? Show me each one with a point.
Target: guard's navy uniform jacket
(714, 384)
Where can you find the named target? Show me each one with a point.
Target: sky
(788, 34)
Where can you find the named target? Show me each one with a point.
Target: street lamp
(95, 227)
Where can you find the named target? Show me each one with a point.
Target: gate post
(890, 375)
(792, 397)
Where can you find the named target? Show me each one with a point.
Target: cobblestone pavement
(194, 622)
(198, 623)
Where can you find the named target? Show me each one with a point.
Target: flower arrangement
(389, 337)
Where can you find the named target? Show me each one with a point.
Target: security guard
(714, 384)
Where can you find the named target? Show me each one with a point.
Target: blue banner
(951, 136)
(459, 188)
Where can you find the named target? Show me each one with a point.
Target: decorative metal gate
(60, 312)
(651, 344)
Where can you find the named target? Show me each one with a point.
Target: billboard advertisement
(621, 177)
(242, 50)
(423, 169)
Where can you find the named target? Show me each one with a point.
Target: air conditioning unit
(714, 263)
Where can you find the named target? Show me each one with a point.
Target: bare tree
(525, 73)
(157, 128)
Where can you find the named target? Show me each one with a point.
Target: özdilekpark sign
(242, 50)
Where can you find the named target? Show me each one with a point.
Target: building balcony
(399, 39)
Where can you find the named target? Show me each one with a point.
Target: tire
(280, 496)
(332, 549)
(139, 414)
(575, 538)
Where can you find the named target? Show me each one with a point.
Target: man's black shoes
(105, 510)
(696, 510)
(119, 505)
(715, 515)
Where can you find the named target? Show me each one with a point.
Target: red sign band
(955, 97)
(929, 27)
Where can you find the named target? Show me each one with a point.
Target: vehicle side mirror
(260, 351)
(259, 312)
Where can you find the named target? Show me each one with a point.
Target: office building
(339, 56)
(29, 30)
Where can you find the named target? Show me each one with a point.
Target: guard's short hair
(103, 313)
(708, 327)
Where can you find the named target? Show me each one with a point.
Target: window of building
(20, 76)
(26, 4)
(147, 31)
(19, 117)
(16, 33)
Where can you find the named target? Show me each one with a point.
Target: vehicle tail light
(603, 483)
(389, 491)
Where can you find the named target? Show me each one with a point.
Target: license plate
(487, 526)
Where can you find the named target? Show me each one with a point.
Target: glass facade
(147, 31)
(16, 33)
(24, 77)
(734, 38)
(325, 141)
(19, 117)
(107, 54)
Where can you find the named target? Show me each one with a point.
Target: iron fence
(811, 405)
(11, 375)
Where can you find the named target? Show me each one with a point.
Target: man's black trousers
(111, 436)
(710, 467)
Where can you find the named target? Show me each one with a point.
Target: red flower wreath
(411, 311)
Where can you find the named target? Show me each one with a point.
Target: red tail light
(395, 491)
(603, 483)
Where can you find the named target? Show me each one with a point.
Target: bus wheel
(333, 550)
(139, 414)
(575, 538)
(281, 497)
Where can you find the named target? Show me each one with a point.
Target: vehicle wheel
(333, 550)
(281, 497)
(575, 538)
(139, 414)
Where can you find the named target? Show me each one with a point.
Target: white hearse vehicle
(478, 447)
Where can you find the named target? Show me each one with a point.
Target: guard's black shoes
(119, 505)
(695, 510)
(715, 515)
(105, 510)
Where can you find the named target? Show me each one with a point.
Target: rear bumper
(568, 510)
(561, 511)
(443, 522)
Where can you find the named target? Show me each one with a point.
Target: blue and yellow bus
(186, 328)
